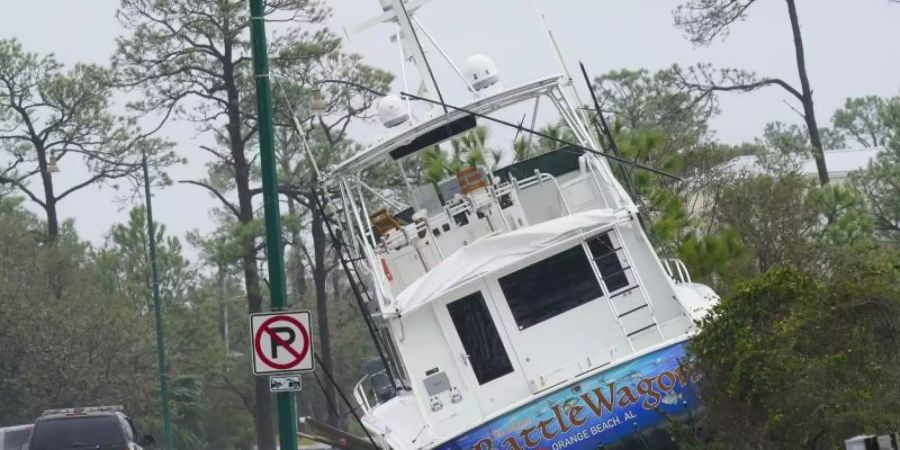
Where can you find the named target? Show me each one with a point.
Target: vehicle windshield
(76, 432)
(14, 440)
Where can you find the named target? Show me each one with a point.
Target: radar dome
(481, 72)
(392, 111)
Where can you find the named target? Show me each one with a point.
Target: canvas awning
(493, 253)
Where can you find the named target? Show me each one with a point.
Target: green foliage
(676, 232)
(776, 217)
(640, 101)
(713, 255)
(879, 185)
(65, 341)
(78, 330)
(659, 123)
(705, 20)
(864, 121)
(49, 115)
(804, 359)
(125, 262)
(467, 150)
(890, 115)
(784, 148)
(847, 220)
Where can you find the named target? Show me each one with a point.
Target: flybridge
(549, 88)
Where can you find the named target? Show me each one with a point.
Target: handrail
(539, 178)
(680, 274)
(362, 398)
(683, 271)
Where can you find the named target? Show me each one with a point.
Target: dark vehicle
(94, 428)
(15, 438)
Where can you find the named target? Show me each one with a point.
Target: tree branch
(215, 192)
(89, 181)
(18, 184)
(749, 87)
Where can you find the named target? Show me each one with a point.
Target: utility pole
(287, 412)
(168, 441)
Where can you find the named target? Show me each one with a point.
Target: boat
(516, 308)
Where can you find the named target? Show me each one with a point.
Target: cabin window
(480, 338)
(607, 259)
(550, 287)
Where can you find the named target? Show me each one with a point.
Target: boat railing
(468, 206)
(361, 395)
(472, 204)
(677, 270)
(540, 178)
(416, 248)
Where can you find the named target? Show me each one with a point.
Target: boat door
(560, 323)
(469, 320)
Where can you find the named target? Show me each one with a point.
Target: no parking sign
(282, 342)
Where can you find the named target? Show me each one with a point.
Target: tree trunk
(809, 111)
(336, 299)
(265, 433)
(49, 195)
(299, 269)
(320, 279)
(52, 219)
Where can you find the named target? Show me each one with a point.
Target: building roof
(839, 162)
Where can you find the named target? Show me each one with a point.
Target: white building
(839, 162)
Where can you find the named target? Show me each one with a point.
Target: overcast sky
(852, 50)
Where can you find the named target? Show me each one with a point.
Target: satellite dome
(481, 72)
(392, 111)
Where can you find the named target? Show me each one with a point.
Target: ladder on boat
(622, 287)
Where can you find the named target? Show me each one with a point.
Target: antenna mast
(401, 12)
(559, 55)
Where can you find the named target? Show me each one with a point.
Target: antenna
(407, 23)
(401, 13)
(556, 50)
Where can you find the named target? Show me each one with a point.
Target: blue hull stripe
(645, 393)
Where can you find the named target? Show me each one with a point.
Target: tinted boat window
(77, 432)
(550, 287)
(480, 338)
(608, 262)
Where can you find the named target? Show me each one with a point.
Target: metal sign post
(287, 413)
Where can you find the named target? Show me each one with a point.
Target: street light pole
(168, 440)
(287, 411)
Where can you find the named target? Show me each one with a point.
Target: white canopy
(493, 253)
